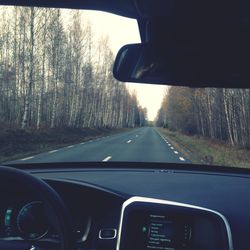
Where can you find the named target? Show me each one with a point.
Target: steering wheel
(55, 209)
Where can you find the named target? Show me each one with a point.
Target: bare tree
(215, 113)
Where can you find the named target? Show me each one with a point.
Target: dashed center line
(70, 146)
(27, 158)
(136, 135)
(107, 158)
(176, 152)
(181, 158)
(53, 151)
(172, 147)
(129, 141)
(82, 143)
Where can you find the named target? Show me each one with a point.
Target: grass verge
(207, 151)
(18, 143)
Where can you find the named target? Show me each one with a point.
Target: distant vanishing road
(138, 145)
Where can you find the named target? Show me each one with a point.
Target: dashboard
(136, 209)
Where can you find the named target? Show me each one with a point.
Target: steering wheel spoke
(24, 245)
(18, 245)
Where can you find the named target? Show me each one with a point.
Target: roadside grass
(18, 143)
(207, 151)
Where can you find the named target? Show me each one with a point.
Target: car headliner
(120, 7)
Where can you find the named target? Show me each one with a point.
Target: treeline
(53, 74)
(222, 114)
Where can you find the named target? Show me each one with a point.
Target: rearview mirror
(185, 66)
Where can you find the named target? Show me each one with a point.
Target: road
(138, 145)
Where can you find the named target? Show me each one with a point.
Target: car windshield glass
(59, 101)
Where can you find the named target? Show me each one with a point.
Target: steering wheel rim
(58, 213)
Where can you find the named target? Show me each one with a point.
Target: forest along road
(139, 145)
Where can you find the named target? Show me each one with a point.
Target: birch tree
(53, 75)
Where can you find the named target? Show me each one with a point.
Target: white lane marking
(129, 141)
(82, 143)
(166, 140)
(107, 158)
(136, 135)
(53, 151)
(27, 158)
(70, 146)
(176, 152)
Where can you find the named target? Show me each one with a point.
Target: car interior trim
(107, 238)
(86, 233)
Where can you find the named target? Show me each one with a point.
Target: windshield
(59, 101)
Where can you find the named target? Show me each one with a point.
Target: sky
(123, 31)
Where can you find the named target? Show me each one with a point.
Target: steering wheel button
(107, 233)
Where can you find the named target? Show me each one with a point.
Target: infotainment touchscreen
(151, 231)
(162, 232)
(166, 225)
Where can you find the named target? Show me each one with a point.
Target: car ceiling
(137, 9)
(121, 7)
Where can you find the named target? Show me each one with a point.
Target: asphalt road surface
(138, 145)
